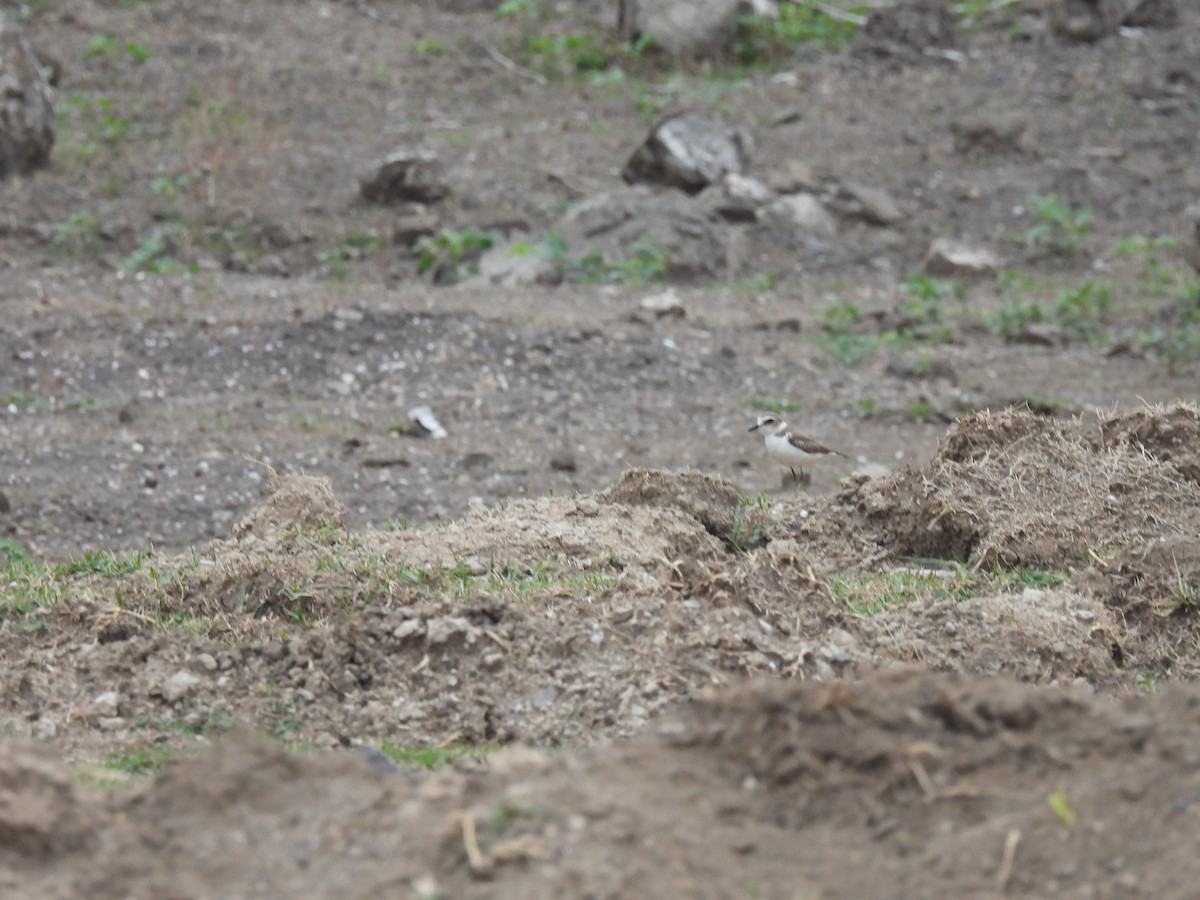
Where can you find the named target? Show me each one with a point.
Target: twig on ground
(506, 63)
(1006, 859)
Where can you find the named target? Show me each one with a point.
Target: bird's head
(771, 423)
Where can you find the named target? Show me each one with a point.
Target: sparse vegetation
(431, 757)
(1177, 342)
(1083, 310)
(355, 246)
(1058, 229)
(91, 126)
(839, 335)
(751, 522)
(936, 580)
(767, 41)
(919, 313)
(1162, 273)
(771, 405)
(646, 263)
(453, 255)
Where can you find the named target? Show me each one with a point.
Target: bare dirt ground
(246, 604)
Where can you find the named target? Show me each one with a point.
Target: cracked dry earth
(242, 596)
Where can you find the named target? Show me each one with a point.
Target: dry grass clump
(1168, 433)
(1010, 489)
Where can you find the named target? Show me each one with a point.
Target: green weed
(103, 562)
(921, 307)
(769, 404)
(1081, 311)
(429, 47)
(936, 580)
(839, 321)
(106, 46)
(80, 234)
(90, 124)
(352, 247)
(1058, 228)
(751, 522)
(1178, 342)
(433, 756)
(452, 255)
(148, 761)
(767, 41)
(1162, 275)
(21, 399)
(646, 263)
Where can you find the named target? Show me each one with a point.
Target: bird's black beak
(754, 427)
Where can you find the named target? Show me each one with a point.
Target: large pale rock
(500, 266)
(687, 26)
(872, 205)
(948, 258)
(614, 225)
(26, 106)
(803, 213)
(689, 151)
(737, 198)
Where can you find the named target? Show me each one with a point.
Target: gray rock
(990, 131)
(687, 26)
(793, 177)
(617, 225)
(663, 304)
(26, 106)
(737, 198)
(105, 704)
(499, 266)
(413, 222)
(689, 151)
(1091, 20)
(908, 29)
(800, 212)
(180, 685)
(874, 206)
(1152, 14)
(406, 175)
(948, 258)
(271, 265)
(441, 630)
(378, 760)
(564, 461)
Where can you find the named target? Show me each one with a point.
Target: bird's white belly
(783, 452)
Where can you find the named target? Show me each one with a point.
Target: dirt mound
(296, 503)
(1155, 587)
(909, 785)
(551, 621)
(715, 502)
(1010, 489)
(1168, 433)
(1037, 636)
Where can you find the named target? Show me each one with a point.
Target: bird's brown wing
(808, 445)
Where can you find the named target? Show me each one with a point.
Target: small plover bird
(790, 448)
